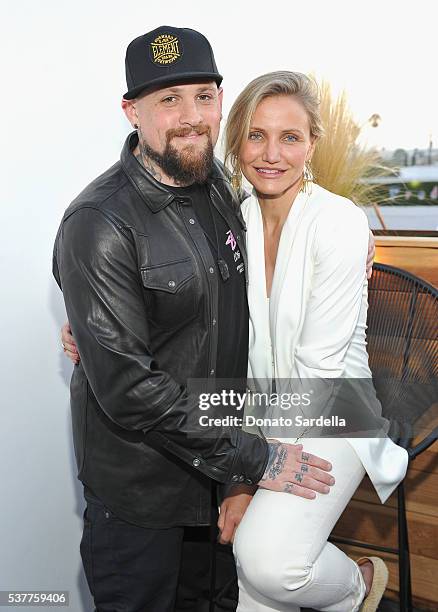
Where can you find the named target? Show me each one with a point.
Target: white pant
(282, 555)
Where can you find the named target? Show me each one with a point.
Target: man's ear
(130, 111)
(220, 95)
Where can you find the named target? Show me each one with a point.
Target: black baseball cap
(168, 55)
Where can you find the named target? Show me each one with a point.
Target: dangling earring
(236, 181)
(308, 177)
(236, 177)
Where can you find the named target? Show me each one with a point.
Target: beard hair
(187, 166)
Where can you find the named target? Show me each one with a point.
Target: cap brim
(184, 77)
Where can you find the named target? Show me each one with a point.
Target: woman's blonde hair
(280, 83)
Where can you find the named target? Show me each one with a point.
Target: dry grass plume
(339, 163)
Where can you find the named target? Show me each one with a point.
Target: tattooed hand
(293, 471)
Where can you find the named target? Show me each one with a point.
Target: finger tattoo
(305, 456)
(304, 468)
(288, 487)
(299, 477)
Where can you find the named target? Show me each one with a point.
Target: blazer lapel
(288, 234)
(260, 365)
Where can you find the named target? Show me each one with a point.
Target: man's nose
(271, 152)
(190, 114)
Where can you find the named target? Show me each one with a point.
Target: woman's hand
(232, 510)
(292, 470)
(68, 344)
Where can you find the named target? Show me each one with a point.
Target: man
(151, 261)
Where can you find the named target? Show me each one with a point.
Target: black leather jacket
(141, 293)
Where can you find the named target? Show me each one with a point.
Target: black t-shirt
(232, 348)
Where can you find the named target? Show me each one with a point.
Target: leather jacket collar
(152, 192)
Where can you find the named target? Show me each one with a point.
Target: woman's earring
(135, 126)
(236, 181)
(236, 177)
(307, 177)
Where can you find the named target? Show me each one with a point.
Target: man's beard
(187, 166)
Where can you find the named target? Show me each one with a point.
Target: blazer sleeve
(337, 292)
(96, 267)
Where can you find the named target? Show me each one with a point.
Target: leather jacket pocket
(172, 293)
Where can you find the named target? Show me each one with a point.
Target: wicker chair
(403, 350)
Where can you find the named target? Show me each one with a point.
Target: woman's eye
(290, 138)
(254, 136)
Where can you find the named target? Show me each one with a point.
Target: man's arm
(96, 267)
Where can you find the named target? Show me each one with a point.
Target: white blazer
(314, 324)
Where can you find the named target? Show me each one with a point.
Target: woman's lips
(270, 172)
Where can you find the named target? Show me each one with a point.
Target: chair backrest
(402, 341)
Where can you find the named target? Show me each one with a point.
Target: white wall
(61, 124)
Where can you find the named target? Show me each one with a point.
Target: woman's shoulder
(336, 210)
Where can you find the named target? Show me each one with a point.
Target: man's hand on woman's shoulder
(371, 254)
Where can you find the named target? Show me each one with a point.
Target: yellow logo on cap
(165, 49)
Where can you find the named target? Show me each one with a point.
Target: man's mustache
(198, 129)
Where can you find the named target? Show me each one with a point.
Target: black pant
(134, 569)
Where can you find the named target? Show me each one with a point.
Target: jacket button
(171, 283)
(211, 372)
(214, 321)
(192, 221)
(235, 478)
(241, 478)
(249, 481)
(196, 462)
(211, 270)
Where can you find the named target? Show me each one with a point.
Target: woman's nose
(271, 152)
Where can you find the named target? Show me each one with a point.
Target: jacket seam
(97, 205)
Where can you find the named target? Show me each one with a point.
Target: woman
(307, 320)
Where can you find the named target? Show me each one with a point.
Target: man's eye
(254, 136)
(169, 99)
(205, 97)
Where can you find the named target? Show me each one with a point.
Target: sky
(63, 62)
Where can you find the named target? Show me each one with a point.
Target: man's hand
(232, 510)
(371, 254)
(68, 344)
(293, 471)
